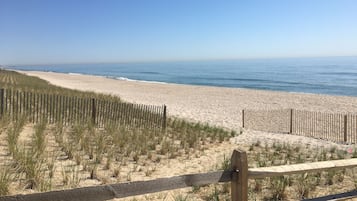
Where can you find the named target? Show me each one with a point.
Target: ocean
(328, 75)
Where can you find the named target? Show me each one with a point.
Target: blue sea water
(328, 75)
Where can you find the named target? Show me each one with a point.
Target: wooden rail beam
(106, 192)
(273, 171)
(336, 197)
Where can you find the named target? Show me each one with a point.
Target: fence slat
(74, 109)
(62, 109)
(13, 105)
(291, 121)
(55, 106)
(116, 112)
(6, 102)
(19, 103)
(37, 98)
(51, 109)
(67, 98)
(2, 96)
(345, 129)
(70, 111)
(164, 118)
(39, 107)
(16, 104)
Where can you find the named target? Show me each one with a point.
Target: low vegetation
(293, 187)
(45, 157)
(15, 80)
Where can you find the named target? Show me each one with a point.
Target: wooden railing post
(239, 184)
(2, 102)
(242, 118)
(164, 120)
(93, 111)
(291, 121)
(345, 129)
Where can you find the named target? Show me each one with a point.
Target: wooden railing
(238, 175)
(336, 127)
(52, 108)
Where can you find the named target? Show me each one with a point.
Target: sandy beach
(215, 105)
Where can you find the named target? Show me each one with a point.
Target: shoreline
(173, 83)
(218, 106)
(159, 82)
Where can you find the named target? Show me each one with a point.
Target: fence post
(291, 121)
(345, 129)
(242, 118)
(164, 120)
(93, 111)
(1, 102)
(239, 183)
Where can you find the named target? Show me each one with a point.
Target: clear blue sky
(75, 31)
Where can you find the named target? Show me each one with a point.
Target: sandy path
(215, 105)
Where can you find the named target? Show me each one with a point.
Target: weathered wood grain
(98, 193)
(263, 172)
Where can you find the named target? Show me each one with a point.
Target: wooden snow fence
(54, 108)
(336, 127)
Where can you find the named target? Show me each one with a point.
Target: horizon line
(171, 60)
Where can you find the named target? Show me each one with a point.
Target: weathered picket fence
(335, 127)
(51, 108)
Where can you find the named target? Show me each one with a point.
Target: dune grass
(14, 80)
(292, 187)
(5, 180)
(40, 101)
(81, 151)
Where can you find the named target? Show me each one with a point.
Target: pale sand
(215, 105)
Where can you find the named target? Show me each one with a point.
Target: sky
(108, 31)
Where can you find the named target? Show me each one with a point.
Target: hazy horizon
(173, 61)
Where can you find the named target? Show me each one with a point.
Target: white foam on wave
(133, 80)
(123, 79)
(307, 93)
(75, 74)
